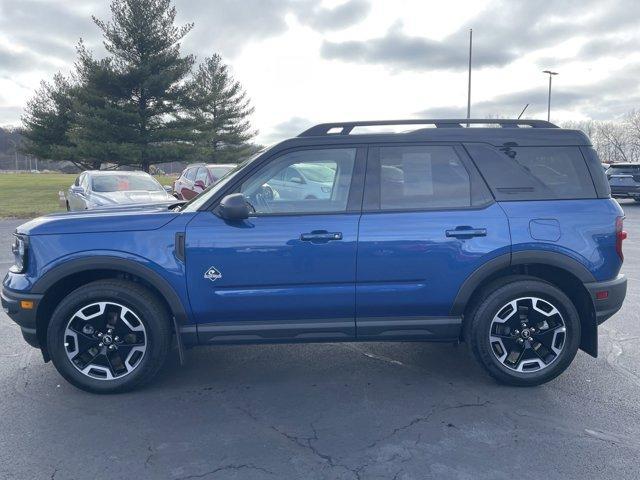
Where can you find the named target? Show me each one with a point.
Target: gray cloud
(287, 129)
(226, 26)
(606, 99)
(504, 32)
(336, 18)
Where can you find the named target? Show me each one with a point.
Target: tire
(549, 338)
(89, 356)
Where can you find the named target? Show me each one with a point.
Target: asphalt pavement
(330, 411)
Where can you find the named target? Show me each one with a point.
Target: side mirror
(298, 180)
(199, 184)
(168, 188)
(77, 190)
(234, 207)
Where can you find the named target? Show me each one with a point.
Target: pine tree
(141, 84)
(218, 113)
(47, 121)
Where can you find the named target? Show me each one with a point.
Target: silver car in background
(103, 189)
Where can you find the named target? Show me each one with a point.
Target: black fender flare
(544, 257)
(130, 266)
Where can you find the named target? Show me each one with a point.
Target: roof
(116, 172)
(497, 132)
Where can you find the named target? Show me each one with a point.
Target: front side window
(422, 177)
(202, 175)
(306, 181)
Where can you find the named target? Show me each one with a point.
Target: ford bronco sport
(503, 236)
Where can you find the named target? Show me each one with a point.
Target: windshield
(624, 170)
(194, 204)
(123, 182)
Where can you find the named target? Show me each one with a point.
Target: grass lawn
(28, 195)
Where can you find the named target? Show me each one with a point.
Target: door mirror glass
(234, 207)
(77, 190)
(199, 184)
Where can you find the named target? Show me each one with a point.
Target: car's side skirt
(325, 330)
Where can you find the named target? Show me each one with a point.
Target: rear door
(428, 222)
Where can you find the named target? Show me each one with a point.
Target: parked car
(196, 178)
(104, 189)
(304, 181)
(503, 237)
(624, 179)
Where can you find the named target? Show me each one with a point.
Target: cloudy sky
(309, 61)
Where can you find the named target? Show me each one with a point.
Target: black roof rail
(345, 128)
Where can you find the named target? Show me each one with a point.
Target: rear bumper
(616, 291)
(24, 317)
(625, 192)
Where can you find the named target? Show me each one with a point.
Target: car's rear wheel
(524, 331)
(109, 336)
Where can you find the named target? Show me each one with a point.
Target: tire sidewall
(491, 306)
(131, 298)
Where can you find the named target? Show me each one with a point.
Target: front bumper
(606, 306)
(12, 304)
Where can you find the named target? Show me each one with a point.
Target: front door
(288, 272)
(428, 222)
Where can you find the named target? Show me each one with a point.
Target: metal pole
(469, 82)
(551, 74)
(549, 101)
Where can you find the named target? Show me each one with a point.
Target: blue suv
(503, 236)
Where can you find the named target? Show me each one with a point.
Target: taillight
(620, 236)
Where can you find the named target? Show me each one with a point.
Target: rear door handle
(466, 232)
(320, 236)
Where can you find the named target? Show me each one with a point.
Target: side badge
(212, 274)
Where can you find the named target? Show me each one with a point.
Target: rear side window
(534, 173)
(422, 177)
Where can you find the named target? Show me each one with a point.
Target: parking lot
(334, 411)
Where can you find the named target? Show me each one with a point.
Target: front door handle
(466, 232)
(320, 236)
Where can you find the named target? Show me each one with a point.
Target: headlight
(19, 249)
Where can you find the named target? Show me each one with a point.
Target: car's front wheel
(109, 336)
(524, 331)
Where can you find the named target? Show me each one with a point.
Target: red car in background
(195, 178)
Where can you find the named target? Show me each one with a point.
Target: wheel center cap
(526, 333)
(107, 340)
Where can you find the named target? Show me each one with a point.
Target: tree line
(143, 103)
(615, 141)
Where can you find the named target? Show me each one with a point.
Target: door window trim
(371, 202)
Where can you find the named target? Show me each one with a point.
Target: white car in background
(102, 189)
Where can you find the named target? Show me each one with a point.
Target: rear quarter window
(534, 173)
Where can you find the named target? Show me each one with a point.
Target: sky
(310, 61)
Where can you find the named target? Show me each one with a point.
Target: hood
(128, 197)
(111, 219)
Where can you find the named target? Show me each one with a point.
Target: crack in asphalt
(427, 417)
(236, 467)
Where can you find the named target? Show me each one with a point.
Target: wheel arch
(62, 280)
(560, 270)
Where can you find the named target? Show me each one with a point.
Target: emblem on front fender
(212, 274)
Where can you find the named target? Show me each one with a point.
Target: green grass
(27, 195)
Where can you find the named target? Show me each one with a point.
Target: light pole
(469, 79)
(551, 74)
